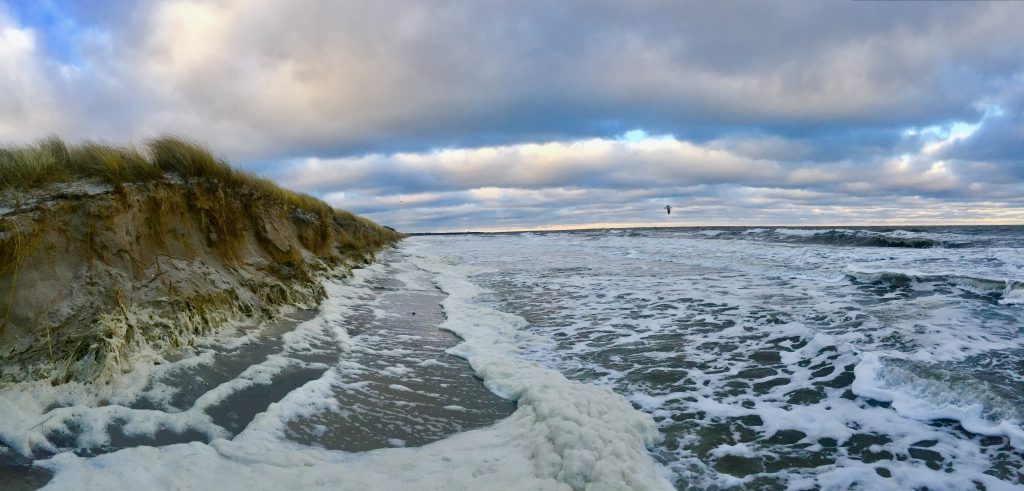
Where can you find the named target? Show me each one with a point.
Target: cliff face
(92, 273)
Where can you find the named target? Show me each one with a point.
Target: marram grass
(51, 161)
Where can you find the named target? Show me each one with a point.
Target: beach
(688, 358)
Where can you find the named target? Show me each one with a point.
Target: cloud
(629, 180)
(265, 78)
(441, 113)
(597, 162)
(28, 101)
(997, 139)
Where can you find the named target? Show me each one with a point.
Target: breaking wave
(860, 238)
(925, 391)
(1003, 291)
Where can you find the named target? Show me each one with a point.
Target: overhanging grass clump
(24, 168)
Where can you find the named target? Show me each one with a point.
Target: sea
(668, 358)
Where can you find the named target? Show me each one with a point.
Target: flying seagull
(668, 209)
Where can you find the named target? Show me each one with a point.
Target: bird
(668, 209)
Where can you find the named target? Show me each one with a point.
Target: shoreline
(609, 438)
(388, 402)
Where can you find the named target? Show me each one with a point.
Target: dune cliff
(96, 268)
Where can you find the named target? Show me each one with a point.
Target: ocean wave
(750, 333)
(796, 232)
(906, 239)
(867, 238)
(1014, 296)
(1004, 291)
(924, 391)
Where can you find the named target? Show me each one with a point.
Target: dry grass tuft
(115, 165)
(53, 161)
(189, 160)
(34, 166)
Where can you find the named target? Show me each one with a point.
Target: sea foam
(563, 435)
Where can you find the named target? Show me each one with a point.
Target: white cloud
(619, 180)
(261, 79)
(27, 104)
(427, 113)
(591, 162)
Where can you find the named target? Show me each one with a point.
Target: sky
(483, 115)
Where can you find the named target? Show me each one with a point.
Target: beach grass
(52, 161)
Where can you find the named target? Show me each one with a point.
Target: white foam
(431, 363)
(33, 409)
(604, 304)
(563, 435)
(738, 450)
(800, 232)
(918, 398)
(1013, 295)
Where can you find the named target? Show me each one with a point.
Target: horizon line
(603, 226)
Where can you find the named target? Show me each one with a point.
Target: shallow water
(786, 358)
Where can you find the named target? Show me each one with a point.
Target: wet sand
(413, 392)
(18, 474)
(406, 391)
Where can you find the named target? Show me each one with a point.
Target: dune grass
(51, 161)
